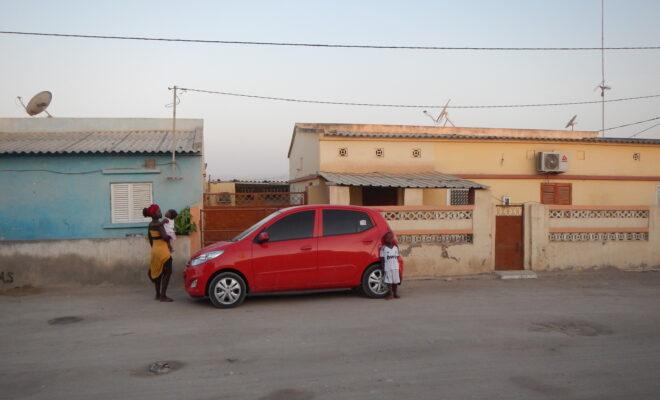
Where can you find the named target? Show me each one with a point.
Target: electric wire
(644, 130)
(631, 124)
(95, 171)
(325, 45)
(385, 105)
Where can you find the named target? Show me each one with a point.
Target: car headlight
(205, 257)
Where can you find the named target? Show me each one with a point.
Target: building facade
(599, 171)
(67, 180)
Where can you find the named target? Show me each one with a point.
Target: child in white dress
(389, 257)
(168, 224)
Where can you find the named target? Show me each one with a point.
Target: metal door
(509, 249)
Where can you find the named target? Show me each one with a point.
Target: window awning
(425, 180)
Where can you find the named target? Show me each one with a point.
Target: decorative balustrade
(598, 223)
(430, 225)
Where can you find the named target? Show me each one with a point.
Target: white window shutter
(119, 195)
(140, 198)
(127, 201)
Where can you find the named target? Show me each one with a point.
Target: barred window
(459, 197)
(127, 201)
(417, 153)
(343, 152)
(380, 152)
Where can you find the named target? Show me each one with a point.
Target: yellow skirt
(160, 253)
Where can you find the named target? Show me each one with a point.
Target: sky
(248, 139)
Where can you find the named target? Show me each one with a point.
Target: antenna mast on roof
(603, 87)
(443, 117)
(175, 101)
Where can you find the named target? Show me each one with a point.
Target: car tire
(372, 282)
(227, 290)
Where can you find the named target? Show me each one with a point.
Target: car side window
(295, 226)
(344, 222)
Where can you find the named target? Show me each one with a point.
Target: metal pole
(174, 132)
(602, 62)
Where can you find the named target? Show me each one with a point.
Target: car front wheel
(372, 282)
(227, 290)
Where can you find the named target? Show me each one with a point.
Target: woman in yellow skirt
(160, 267)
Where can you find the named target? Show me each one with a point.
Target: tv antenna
(38, 103)
(572, 122)
(603, 87)
(443, 117)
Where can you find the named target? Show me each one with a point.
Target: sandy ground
(563, 336)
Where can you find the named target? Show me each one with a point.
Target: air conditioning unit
(551, 162)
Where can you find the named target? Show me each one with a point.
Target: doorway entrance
(380, 196)
(509, 228)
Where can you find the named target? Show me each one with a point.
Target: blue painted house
(82, 178)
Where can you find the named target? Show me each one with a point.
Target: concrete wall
(50, 263)
(421, 239)
(362, 156)
(304, 155)
(68, 196)
(543, 253)
(435, 197)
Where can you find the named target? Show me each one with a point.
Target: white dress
(391, 267)
(169, 229)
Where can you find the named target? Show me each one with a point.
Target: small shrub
(183, 224)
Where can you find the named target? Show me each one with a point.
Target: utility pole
(174, 99)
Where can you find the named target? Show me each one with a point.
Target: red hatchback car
(299, 248)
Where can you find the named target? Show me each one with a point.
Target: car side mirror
(263, 237)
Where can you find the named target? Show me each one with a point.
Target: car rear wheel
(372, 282)
(227, 290)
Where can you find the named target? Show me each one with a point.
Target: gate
(225, 215)
(509, 228)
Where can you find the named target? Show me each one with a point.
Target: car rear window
(345, 222)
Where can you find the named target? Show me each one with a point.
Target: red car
(299, 248)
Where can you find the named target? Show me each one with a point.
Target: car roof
(327, 207)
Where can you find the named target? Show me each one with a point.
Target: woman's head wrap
(152, 210)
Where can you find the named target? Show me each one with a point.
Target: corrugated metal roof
(146, 141)
(490, 137)
(407, 180)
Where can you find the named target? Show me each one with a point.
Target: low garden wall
(42, 263)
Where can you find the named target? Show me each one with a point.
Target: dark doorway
(509, 250)
(380, 196)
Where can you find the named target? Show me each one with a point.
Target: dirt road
(574, 336)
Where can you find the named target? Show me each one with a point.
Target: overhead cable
(644, 130)
(385, 105)
(631, 124)
(326, 45)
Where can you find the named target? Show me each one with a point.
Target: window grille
(459, 197)
(380, 152)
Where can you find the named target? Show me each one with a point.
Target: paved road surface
(573, 336)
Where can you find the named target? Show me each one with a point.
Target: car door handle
(306, 248)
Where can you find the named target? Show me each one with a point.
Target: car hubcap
(376, 282)
(227, 291)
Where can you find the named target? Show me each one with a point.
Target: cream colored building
(599, 171)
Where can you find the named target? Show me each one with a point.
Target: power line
(631, 124)
(325, 45)
(385, 105)
(644, 130)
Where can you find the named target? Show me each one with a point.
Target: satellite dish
(38, 104)
(571, 124)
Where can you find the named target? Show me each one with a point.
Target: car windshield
(256, 226)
